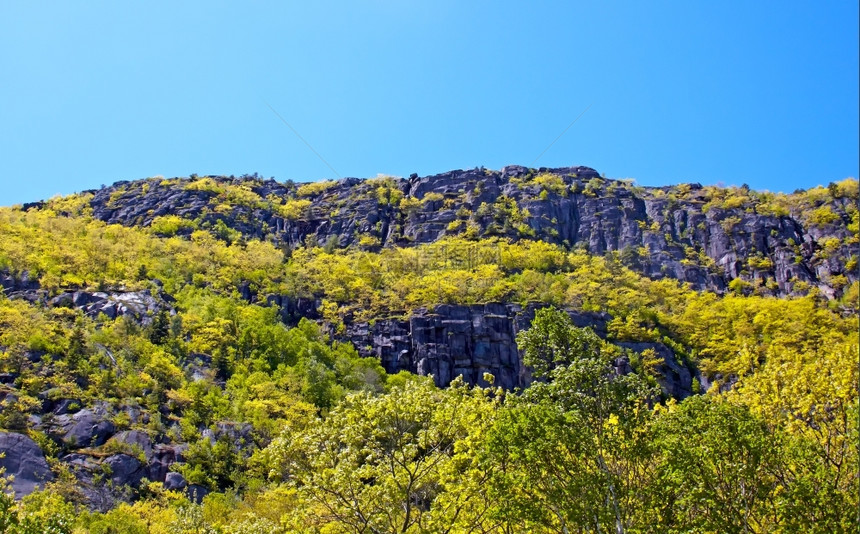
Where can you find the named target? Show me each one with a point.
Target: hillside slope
(188, 336)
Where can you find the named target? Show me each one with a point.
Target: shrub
(315, 188)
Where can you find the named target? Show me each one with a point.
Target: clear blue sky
(764, 93)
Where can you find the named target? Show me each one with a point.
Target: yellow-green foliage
(228, 195)
(810, 206)
(593, 187)
(410, 205)
(431, 197)
(811, 391)
(293, 209)
(205, 184)
(506, 210)
(761, 263)
(115, 196)
(822, 216)
(368, 241)
(854, 225)
(729, 223)
(776, 205)
(170, 225)
(23, 327)
(726, 197)
(68, 251)
(830, 244)
(315, 188)
(815, 206)
(848, 188)
(70, 206)
(733, 333)
(386, 191)
(242, 195)
(82, 252)
(546, 182)
(786, 431)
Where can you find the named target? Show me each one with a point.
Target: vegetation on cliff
(168, 388)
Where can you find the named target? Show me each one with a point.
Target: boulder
(24, 460)
(8, 378)
(87, 428)
(125, 470)
(175, 482)
(66, 406)
(164, 456)
(22, 282)
(196, 492)
(90, 483)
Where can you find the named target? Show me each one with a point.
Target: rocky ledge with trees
(240, 355)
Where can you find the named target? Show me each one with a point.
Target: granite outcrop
(675, 232)
(448, 341)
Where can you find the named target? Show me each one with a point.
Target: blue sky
(763, 93)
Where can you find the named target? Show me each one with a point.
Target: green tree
(716, 470)
(553, 340)
(44, 512)
(159, 331)
(77, 345)
(8, 511)
(573, 451)
(383, 463)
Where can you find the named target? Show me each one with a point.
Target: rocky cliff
(709, 237)
(450, 341)
(713, 238)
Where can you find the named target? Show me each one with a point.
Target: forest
(150, 368)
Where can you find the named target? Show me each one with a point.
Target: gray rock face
(196, 492)
(684, 238)
(89, 427)
(23, 459)
(91, 483)
(66, 406)
(468, 341)
(294, 309)
(139, 305)
(175, 482)
(103, 482)
(22, 282)
(163, 456)
(125, 470)
(450, 341)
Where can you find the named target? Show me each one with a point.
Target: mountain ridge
(772, 244)
(162, 334)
